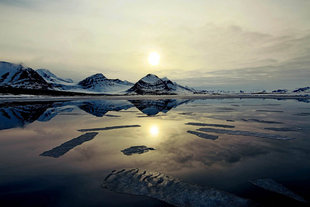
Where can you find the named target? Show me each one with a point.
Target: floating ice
(213, 125)
(263, 121)
(108, 128)
(263, 110)
(65, 147)
(136, 150)
(283, 129)
(302, 114)
(271, 185)
(168, 189)
(203, 135)
(245, 133)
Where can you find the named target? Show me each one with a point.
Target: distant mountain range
(16, 77)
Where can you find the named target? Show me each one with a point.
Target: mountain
(173, 86)
(302, 90)
(17, 79)
(281, 91)
(99, 83)
(153, 85)
(56, 82)
(18, 76)
(51, 77)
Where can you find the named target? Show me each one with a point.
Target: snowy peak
(151, 79)
(93, 81)
(99, 83)
(302, 90)
(51, 77)
(152, 84)
(17, 76)
(14, 76)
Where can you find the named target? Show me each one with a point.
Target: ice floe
(213, 125)
(263, 110)
(203, 135)
(169, 189)
(136, 150)
(65, 147)
(108, 128)
(283, 129)
(302, 114)
(263, 121)
(273, 186)
(245, 133)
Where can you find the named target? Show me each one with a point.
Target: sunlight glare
(154, 130)
(154, 58)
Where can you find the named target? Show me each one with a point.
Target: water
(73, 175)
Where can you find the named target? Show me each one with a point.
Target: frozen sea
(58, 153)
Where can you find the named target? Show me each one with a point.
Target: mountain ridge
(19, 79)
(16, 76)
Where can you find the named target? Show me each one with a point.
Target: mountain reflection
(17, 114)
(100, 107)
(153, 107)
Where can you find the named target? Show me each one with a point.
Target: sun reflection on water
(154, 130)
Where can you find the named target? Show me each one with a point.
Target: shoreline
(23, 98)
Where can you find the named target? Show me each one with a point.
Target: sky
(211, 44)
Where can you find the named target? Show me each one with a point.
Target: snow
(245, 133)
(99, 83)
(7, 71)
(273, 186)
(151, 79)
(166, 188)
(52, 78)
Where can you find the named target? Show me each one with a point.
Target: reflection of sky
(225, 162)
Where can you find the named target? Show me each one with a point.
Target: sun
(154, 58)
(154, 130)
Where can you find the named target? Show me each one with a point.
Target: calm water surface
(73, 177)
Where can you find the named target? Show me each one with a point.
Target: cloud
(77, 38)
(277, 62)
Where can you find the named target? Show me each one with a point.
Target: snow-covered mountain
(173, 86)
(56, 82)
(51, 77)
(280, 91)
(99, 83)
(151, 84)
(18, 76)
(302, 90)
